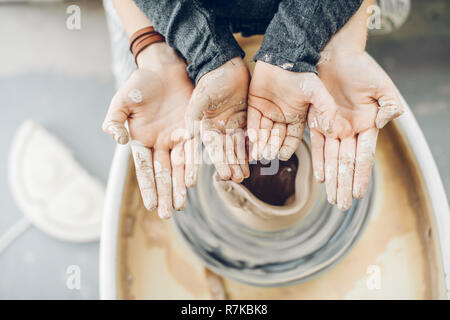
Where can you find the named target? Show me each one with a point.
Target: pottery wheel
(279, 246)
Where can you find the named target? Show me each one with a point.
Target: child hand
(219, 108)
(279, 101)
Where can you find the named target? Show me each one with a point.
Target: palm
(353, 84)
(278, 104)
(366, 101)
(160, 115)
(226, 100)
(219, 105)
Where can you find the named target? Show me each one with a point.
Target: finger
(296, 129)
(263, 135)
(331, 167)
(178, 184)
(177, 135)
(114, 123)
(161, 163)
(236, 172)
(252, 146)
(365, 153)
(195, 110)
(253, 122)
(277, 135)
(390, 107)
(144, 173)
(265, 106)
(317, 145)
(241, 154)
(237, 120)
(324, 103)
(253, 126)
(294, 135)
(290, 145)
(192, 160)
(346, 167)
(213, 141)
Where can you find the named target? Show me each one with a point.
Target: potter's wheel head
(302, 246)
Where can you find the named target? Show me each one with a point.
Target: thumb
(324, 103)
(390, 106)
(194, 113)
(114, 123)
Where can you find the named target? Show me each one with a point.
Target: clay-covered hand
(279, 101)
(218, 111)
(153, 101)
(367, 100)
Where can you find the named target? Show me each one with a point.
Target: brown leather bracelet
(142, 38)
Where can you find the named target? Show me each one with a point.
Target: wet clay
(273, 189)
(273, 201)
(159, 259)
(397, 247)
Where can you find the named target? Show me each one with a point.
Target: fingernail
(225, 175)
(285, 153)
(238, 177)
(190, 180)
(318, 177)
(358, 193)
(121, 139)
(118, 132)
(164, 211)
(150, 201)
(179, 200)
(344, 205)
(381, 122)
(331, 199)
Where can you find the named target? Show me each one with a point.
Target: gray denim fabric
(295, 31)
(201, 37)
(300, 30)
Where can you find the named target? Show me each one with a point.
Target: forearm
(194, 31)
(131, 16)
(301, 29)
(156, 55)
(353, 35)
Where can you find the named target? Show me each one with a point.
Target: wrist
(158, 55)
(288, 64)
(352, 37)
(343, 44)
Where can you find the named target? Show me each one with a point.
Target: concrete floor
(62, 79)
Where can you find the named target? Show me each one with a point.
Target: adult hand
(153, 101)
(279, 101)
(367, 100)
(218, 108)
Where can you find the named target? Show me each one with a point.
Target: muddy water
(394, 259)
